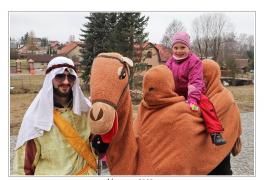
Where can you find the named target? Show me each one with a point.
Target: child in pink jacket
(188, 76)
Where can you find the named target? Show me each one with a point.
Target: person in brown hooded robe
(173, 136)
(226, 109)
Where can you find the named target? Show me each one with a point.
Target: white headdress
(39, 116)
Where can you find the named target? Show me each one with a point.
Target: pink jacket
(188, 77)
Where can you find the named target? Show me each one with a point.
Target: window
(149, 54)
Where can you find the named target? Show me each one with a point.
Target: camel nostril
(91, 115)
(99, 116)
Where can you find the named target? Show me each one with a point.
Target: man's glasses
(61, 77)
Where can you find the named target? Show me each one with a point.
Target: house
(164, 52)
(242, 65)
(37, 41)
(37, 63)
(72, 51)
(147, 55)
(152, 54)
(24, 51)
(54, 46)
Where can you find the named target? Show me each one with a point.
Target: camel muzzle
(101, 118)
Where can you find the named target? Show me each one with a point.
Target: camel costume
(170, 140)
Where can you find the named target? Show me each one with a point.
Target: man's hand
(99, 146)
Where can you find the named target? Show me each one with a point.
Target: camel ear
(127, 60)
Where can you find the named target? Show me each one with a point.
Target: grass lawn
(244, 96)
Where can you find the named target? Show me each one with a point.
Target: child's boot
(217, 139)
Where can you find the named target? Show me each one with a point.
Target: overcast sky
(60, 25)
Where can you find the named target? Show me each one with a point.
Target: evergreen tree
(96, 38)
(130, 30)
(24, 39)
(111, 32)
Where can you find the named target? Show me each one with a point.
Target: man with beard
(54, 135)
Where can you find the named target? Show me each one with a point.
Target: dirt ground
(244, 96)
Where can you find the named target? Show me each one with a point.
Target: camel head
(108, 83)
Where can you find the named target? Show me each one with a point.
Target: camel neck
(122, 150)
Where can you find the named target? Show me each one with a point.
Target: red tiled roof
(25, 50)
(67, 48)
(43, 58)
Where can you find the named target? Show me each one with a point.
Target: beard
(59, 93)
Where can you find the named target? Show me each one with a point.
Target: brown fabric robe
(224, 103)
(173, 139)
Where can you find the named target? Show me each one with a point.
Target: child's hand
(193, 106)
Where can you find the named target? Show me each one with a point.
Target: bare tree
(250, 51)
(228, 48)
(197, 43)
(31, 42)
(202, 27)
(245, 43)
(250, 41)
(174, 26)
(208, 32)
(245, 47)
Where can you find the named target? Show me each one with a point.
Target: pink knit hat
(181, 37)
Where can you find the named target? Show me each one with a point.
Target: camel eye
(121, 73)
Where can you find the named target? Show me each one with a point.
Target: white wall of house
(75, 52)
(152, 60)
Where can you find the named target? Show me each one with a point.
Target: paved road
(243, 164)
